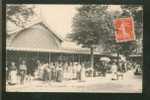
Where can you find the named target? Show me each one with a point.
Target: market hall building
(39, 42)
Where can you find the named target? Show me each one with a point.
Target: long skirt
(74, 75)
(41, 72)
(13, 77)
(114, 75)
(22, 76)
(82, 75)
(53, 75)
(78, 75)
(65, 75)
(59, 76)
(70, 75)
(50, 75)
(45, 76)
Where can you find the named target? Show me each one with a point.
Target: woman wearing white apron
(13, 74)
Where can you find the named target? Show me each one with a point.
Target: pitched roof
(39, 21)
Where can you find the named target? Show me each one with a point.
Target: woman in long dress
(114, 71)
(22, 71)
(53, 72)
(74, 71)
(45, 72)
(65, 69)
(59, 73)
(78, 72)
(82, 77)
(70, 74)
(13, 74)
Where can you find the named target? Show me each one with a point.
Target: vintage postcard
(86, 48)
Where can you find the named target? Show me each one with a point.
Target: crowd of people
(60, 71)
(56, 72)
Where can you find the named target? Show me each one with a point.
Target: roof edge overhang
(60, 50)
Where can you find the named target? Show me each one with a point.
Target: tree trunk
(117, 58)
(92, 58)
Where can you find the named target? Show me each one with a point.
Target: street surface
(130, 84)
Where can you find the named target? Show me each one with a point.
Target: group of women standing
(60, 71)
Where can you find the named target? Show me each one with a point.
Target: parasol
(105, 59)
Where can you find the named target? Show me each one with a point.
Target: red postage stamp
(124, 29)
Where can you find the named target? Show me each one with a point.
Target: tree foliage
(91, 25)
(19, 14)
(136, 11)
(127, 48)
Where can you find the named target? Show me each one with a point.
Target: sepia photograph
(89, 48)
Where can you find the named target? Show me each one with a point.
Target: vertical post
(49, 57)
(38, 55)
(73, 57)
(79, 58)
(92, 59)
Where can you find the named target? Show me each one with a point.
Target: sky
(59, 17)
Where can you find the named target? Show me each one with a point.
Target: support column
(49, 57)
